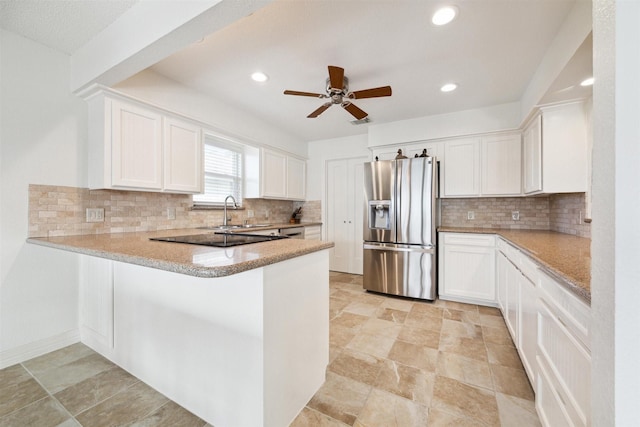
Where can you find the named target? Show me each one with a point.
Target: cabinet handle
(561, 322)
(560, 397)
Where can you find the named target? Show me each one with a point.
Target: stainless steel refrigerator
(400, 227)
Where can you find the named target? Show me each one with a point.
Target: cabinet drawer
(485, 240)
(567, 362)
(550, 403)
(528, 268)
(574, 314)
(501, 245)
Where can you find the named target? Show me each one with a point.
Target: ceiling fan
(338, 93)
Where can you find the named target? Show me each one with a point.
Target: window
(222, 172)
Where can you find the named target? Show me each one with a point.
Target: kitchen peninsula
(237, 335)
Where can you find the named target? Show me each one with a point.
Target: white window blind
(222, 172)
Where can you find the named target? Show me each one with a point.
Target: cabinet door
(136, 156)
(501, 281)
(296, 178)
(528, 327)
(568, 364)
(462, 168)
(513, 302)
(96, 303)
(182, 157)
(274, 174)
(501, 165)
(469, 273)
(532, 141)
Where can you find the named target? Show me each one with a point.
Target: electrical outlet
(249, 213)
(171, 213)
(95, 215)
(471, 215)
(266, 214)
(515, 216)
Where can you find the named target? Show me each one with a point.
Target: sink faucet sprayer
(235, 206)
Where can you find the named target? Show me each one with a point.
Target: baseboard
(38, 348)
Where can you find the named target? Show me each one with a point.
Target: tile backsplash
(60, 211)
(558, 212)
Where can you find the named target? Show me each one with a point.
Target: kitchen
(39, 286)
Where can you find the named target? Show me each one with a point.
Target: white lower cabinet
(563, 356)
(550, 328)
(467, 268)
(313, 232)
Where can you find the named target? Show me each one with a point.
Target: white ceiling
(491, 51)
(64, 25)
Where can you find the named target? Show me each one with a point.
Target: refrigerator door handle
(396, 248)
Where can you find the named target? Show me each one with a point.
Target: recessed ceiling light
(444, 15)
(587, 82)
(259, 77)
(449, 87)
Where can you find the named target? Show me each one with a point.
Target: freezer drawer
(400, 270)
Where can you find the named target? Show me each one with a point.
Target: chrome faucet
(235, 206)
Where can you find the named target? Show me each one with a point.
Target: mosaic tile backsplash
(60, 211)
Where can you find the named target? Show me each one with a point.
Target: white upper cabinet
(556, 150)
(461, 167)
(133, 146)
(296, 178)
(182, 156)
(281, 176)
(501, 165)
(485, 166)
(273, 172)
(532, 141)
(136, 147)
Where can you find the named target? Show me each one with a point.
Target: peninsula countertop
(563, 256)
(193, 260)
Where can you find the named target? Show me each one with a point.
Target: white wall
(157, 89)
(468, 122)
(615, 271)
(42, 138)
(322, 150)
(573, 32)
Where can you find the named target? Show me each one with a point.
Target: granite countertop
(193, 260)
(565, 257)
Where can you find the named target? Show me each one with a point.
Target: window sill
(215, 208)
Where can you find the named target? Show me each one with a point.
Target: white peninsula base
(248, 349)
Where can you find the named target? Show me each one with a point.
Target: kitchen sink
(234, 227)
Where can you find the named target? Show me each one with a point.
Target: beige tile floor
(393, 362)
(400, 362)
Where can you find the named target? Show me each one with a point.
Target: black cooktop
(221, 240)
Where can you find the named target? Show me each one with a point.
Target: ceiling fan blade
(319, 111)
(371, 93)
(355, 111)
(336, 77)
(314, 95)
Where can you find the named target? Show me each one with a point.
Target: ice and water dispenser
(379, 217)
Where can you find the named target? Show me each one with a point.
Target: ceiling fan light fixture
(259, 77)
(587, 82)
(444, 15)
(449, 87)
